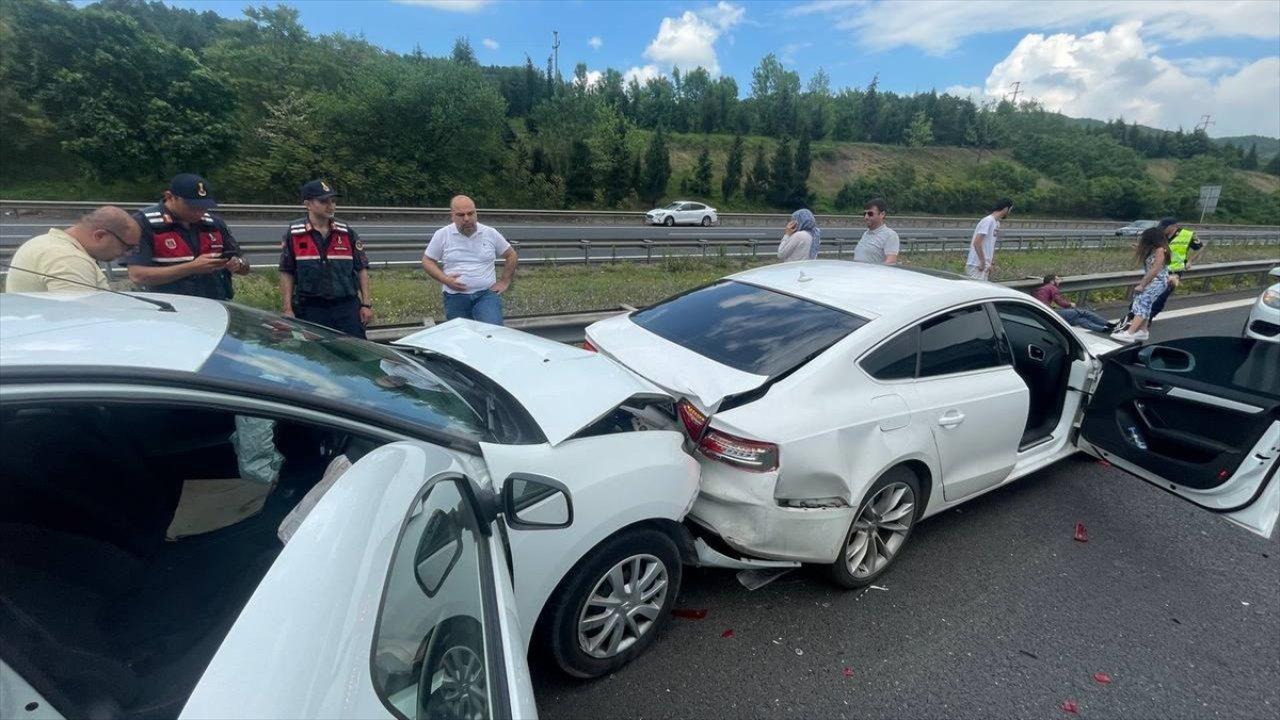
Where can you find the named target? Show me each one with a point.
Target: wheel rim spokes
(624, 605)
(462, 683)
(880, 530)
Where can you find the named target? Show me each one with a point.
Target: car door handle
(1150, 385)
(951, 419)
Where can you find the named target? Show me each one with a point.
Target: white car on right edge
(1264, 318)
(832, 405)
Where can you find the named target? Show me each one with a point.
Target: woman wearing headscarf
(801, 238)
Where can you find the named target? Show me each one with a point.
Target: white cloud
(592, 80)
(596, 43)
(462, 6)
(788, 56)
(938, 26)
(689, 40)
(641, 74)
(1116, 74)
(1208, 65)
(490, 43)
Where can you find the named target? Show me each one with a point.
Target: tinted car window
(748, 328)
(896, 359)
(958, 341)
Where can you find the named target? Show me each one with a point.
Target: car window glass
(958, 341)
(748, 328)
(429, 658)
(1018, 314)
(896, 359)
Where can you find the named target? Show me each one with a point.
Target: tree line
(123, 93)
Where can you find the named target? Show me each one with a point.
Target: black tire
(839, 571)
(567, 604)
(706, 221)
(669, 221)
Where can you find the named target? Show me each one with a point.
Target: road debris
(1082, 535)
(799, 651)
(1031, 655)
(758, 578)
(727, 633)
(848, 672)
(1071, 706)
(1102, 678)
(690, 613)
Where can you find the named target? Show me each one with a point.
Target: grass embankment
(407, 296)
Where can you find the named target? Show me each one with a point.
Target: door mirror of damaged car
(535, 502)
(438, 551)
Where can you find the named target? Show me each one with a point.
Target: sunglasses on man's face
(870, 213)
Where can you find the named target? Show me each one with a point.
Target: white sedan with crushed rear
(833, 405)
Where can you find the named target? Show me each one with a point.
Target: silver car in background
(683, 212)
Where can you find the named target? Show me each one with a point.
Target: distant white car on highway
(1264, 317)
(1136, 227)
(683, 212)
(833, 405)
(212, 511)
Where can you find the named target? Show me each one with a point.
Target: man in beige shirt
(67, 260)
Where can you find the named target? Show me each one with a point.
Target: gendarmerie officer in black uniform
(183, 249)
(324, 275)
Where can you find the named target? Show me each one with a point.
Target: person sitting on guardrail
(461, 258)
(184, 249)
(801, 237)
(1050, 295)
(982, 249)
(879, 244)
(324, 273)
(67, 260)
(1153, 252)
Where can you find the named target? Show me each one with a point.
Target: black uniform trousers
(342, 314)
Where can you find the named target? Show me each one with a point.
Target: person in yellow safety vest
(1182, 241)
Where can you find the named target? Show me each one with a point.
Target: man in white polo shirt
(460, 257)
(982, 249)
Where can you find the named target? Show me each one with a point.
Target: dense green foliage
(123, 93)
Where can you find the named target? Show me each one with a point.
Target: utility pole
(555, 51)
(1017, 90)
(1205, 122)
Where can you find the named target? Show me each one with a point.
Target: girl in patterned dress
(1153, 253)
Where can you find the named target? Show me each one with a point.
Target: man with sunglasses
(67, 260)
(324, 276)
(879, 244)
(184, 249)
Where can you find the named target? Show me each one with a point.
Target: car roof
(871, 290)
(108, 330)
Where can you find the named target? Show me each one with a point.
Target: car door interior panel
(1189, 410)
(1042, 356)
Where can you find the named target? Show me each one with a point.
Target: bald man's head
(462, 210)
(107, 233)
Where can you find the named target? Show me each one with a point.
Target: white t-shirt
(989, 228)
(876, 245)
(471, 258)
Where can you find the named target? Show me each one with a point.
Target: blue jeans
(1083, 318)
(482, 306)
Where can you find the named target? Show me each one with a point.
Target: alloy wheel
(624, 605)
(462, 684)
(880, 530)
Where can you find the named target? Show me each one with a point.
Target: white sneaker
(1123, 336)
(1142, 335)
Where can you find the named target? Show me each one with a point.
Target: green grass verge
(406, 295)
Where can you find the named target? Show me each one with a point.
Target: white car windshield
(672, 206)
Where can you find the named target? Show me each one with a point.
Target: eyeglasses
(119, 239)
(869, 213)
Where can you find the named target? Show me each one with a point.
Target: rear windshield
(748, 328)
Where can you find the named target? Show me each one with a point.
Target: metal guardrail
(578, 217)
(571, 327)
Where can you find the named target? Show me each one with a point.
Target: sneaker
(1142, 335)
(1112, 325)
(1123, 336)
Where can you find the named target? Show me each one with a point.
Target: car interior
(132, 536)
(1042, 356)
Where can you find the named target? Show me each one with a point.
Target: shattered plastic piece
(1082, 535)
(1102, 678)
(848, 672)
(1244, 603)
(877, 587)
(1031, 655)
(757, 578)
(727, 633)
(1070, 706)
(690, 613)
(799, 651)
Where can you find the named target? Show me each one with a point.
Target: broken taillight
(586, 345)
(693, 419)
(739, 452)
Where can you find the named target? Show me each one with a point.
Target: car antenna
(164, 306)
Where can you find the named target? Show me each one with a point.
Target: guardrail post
(1208, 282)
(703, 243)
(753, 243)
(648, 249)
(586, 251)
(613, 251)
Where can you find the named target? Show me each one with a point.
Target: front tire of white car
(879, 530)
(613, 604)
(669, 221)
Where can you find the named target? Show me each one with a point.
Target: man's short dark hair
(1001, 204)
(877, 203)
(1049, 278)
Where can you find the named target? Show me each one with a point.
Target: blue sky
(1161, 63)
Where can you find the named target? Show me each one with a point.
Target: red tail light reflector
(739, 452)
(586, 345)
(693, 418)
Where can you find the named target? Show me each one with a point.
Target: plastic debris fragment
(848, 672)
(1071, 706)
(1082, 535)
(727, 633)
(1102, 678)
(690, 613)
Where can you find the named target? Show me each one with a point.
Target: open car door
(1198, 417)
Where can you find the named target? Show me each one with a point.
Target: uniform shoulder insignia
(298, 230)
(341, 226)
(157, 220)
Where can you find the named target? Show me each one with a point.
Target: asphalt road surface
(993, 611)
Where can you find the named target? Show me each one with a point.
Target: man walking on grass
(461, 256)
(982, 249)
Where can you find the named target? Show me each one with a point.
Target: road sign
(1209, 199)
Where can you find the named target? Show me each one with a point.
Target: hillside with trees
(108, 100)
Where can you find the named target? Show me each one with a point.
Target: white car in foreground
(833, 405)
(683, 212)
(213, 507)
(1264, 317)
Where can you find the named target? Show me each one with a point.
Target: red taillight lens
(693, 419)
(586, 345)
(739, 452)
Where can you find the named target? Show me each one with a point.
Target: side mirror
(534, 502)
(1166, 359)
(438, 551)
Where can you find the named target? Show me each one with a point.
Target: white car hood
(1096, 344)
(563, 387)
(676, 369)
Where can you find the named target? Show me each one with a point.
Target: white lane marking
(1215, 307)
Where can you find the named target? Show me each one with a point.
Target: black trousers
(342, 315)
